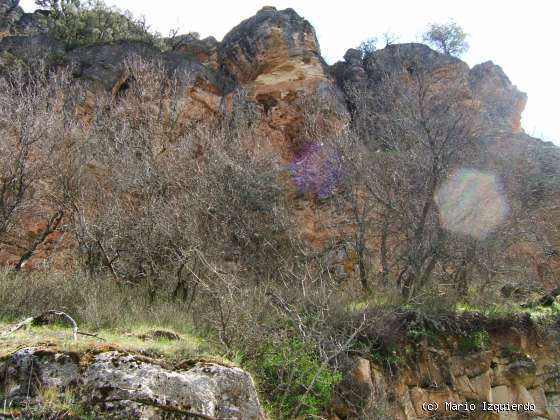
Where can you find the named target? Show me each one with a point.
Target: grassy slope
(134, 339)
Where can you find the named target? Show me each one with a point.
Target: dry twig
(34, 319)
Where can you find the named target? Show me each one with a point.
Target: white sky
(521, 36)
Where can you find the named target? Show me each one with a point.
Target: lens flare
(472, 203)
(316, 169)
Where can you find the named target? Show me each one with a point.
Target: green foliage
(368, 47)
(84, 23)
(8, 60)
(423, 334)
(389, 356)
(475, 341)
(449, 38)
(286, 371)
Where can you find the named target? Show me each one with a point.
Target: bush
(475, 341)
(368, 47)
(95, 303)
(285, 373)
(93, 22)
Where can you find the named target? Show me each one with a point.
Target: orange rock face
(275, 59)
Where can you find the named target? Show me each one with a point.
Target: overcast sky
(520, 36)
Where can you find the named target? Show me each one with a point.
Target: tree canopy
(449, 38)
(92, 21)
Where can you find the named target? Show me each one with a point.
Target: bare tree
(410, 133)
(31, 136)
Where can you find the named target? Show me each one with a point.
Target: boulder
(121, 385)
(419, 396)
(13, 20)
(116, 381)
(272, 47)
(28, 369)
(501, 103)
(356, 392)
(351, 71)
(481, 387)
(470, 365)
(521, 372)
(204, 50)
(10, 13)
(464, 387)
(539, 397)
(553, 406)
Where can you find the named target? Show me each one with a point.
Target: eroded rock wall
(519, 367)
(274, 58)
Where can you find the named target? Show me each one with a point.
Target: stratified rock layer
(442, 380)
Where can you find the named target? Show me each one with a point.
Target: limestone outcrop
(500, 101)
(271, 48)
(119, 385)
(275, 56)
(10, 14)
(204, 50)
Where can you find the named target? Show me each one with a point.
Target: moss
(391, 356)
(432, 338)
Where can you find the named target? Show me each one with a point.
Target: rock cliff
(273, 55)
(275, 59)
(14, 20)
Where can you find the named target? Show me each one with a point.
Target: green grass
(123, 316)
(131, 339)
(506, 309)
(98, 302)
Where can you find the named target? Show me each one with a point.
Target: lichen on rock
(114, 384)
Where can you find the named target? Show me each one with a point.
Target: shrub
(286, 371)
(368, 47)
(85, 23)
(98, 303)
(475, 341)
(421, 334)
